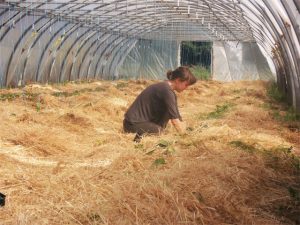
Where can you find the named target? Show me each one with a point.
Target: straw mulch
(65, 159)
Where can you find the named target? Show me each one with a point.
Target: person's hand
(179, 125)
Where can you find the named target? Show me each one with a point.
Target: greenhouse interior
(69, 70)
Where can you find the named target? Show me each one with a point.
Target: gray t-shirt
(157, 104)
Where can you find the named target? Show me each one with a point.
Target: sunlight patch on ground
(19, 153)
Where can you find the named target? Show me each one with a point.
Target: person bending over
(157, 104)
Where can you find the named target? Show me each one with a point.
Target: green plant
(292, 115)
(59, 94)
(169, 149)
(196, 53)
(66, 94)
(139, 146)
(201, 72)
(219, 111)
(159, 161)
(295, 162)
(294, 193)
(95, 217)
(274, 93)
(281, 157)
(163, 143)
(237, 91)
(101, 142)
(99, 89)
(9, 96)
(287, 116)
(121, 85)
(38, 106)
(76, 92)
(243, 146)
(198, 196)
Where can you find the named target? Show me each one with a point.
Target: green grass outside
(201, 72)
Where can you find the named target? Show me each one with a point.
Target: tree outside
(197, 55)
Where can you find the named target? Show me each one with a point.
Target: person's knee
(128, 127)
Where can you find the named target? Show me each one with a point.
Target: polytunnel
(63, 40)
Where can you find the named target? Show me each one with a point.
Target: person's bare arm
(179, 125)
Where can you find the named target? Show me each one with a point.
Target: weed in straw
(219, 111)
(274, 93)
(159, 161)
(9, 96)
(243, 146)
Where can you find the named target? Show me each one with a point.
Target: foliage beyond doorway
(198, 56)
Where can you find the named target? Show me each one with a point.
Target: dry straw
(65, 159)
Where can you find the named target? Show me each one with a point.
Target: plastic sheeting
(58, 52)
(151, 59)
(275, 26)
(239, 61)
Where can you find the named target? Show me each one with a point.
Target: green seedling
(159, 161)
(189, 128)
(169, 150)
(61, 94)
(294, 193)
(219, 111)
(121, 85)
(88, 104)
(101, 142)
(95, 217)
(198, 196)
(38, 106)
(237, 91)
(139, 146)
(99, 89)
(274, 93)
(66, 94)
(281, 157)
(163, 143)
(292, 115)
(243, 146)
(9, 96)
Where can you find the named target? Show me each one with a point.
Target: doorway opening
(197, 56)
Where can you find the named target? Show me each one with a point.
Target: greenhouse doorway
(197, 56)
